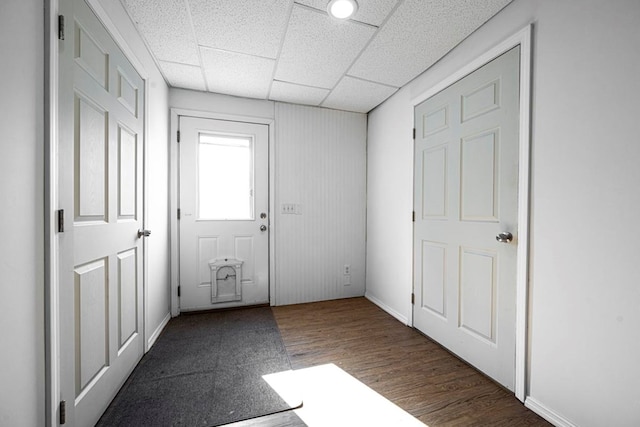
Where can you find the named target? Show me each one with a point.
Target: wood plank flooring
(398, 362)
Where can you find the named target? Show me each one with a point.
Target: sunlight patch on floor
(332, 397)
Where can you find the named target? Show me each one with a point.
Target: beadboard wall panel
(320, 177)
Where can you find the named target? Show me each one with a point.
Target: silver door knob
(263, 227)
(143, 233)
(504, 237)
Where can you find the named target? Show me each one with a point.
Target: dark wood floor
(398, 362)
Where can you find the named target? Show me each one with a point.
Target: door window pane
(225, 177)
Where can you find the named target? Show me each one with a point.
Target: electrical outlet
(347, 270)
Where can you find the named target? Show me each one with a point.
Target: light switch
(291, 209)
(288, 208)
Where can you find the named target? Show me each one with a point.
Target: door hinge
(63, 412)
(413, 216)
(178, 290)
(414, 133)
(178, 136)
(413, 298)
(178, 213)
(60, 27)
(60, 220)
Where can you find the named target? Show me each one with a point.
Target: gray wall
(21, 213)
(584, 312)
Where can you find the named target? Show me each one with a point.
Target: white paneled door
(465, 202)
(224, 201)
(100, 149)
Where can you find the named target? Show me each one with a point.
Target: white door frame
(174, 201)
(51, 283)
(523, 39)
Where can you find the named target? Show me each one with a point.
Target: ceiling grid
(293, 51)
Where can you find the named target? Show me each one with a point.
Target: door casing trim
(175, 114)
(523, 39)
(51, 285)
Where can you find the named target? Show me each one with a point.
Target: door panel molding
(522, 38)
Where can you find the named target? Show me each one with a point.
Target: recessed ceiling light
(342, 9)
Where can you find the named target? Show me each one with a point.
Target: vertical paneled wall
(320, 161)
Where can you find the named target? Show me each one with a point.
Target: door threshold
(217, 310)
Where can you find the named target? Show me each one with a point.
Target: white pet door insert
(226, 280)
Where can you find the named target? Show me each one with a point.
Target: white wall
(158, 247)
(389, 205)
(584, 269)
(22, 384)
(158, 280)
(320, 164)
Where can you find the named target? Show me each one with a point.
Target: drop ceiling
(292, 51)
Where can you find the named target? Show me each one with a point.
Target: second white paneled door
(224, 208)
(466, 210)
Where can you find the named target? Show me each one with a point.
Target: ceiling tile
(372, 12)
(183, 76)
(245, 26)
(237, 74)
(166, 27)
(353, 94)
(297, 94)
(317, 49)
(418, 34)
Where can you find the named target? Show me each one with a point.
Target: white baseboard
(386, 308)
(547, 414)
(152, 339)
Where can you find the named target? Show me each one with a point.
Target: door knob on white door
(263, 227)
(143, 233)
(504, 237)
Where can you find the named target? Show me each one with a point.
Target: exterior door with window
(224, 220)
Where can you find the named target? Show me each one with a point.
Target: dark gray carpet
(205, 370)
